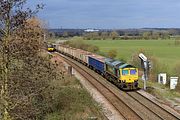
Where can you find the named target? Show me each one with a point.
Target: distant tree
(156, 35)
(126, 36)
(95, 35)
(91, 36)
(52, 35)
(165, 35)
(104, 35)
(173, 32)
(114, 35)
(65, 34)
(147, 35)
(87, 36)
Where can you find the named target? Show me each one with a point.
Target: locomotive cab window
(125, 72)
(133, 71)
(50, 46)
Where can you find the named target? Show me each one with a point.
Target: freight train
(123, 75)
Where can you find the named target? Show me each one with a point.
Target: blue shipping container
(95, 63)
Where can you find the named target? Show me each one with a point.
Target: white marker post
(144, 60)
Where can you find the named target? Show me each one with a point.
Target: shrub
(80, 44)
(157, 67)
(68, 100)
(177, 73)
(135, 57)
(177, 42)
(112, 53)
(177, 69)
(92, 48)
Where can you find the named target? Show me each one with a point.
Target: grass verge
(72, 102)
(161, 91)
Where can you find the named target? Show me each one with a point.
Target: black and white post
(144, 65)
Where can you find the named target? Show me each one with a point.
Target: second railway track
(130, 105)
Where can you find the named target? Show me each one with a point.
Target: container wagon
(96, 63)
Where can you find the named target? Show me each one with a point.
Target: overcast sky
(110, 13)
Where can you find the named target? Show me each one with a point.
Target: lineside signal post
(146, 65)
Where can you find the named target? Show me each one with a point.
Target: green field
(164, 50)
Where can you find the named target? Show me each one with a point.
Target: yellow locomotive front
(51, 48)
(125, 76)
(129, 77)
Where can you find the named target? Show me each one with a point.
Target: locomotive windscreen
(125, 72)
(133, 72)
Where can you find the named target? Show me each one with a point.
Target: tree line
(114, 35)
(121, 34)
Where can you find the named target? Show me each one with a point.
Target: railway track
(131, 105)
(153, 107)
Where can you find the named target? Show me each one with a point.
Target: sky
(110, 14)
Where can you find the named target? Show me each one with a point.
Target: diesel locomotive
(123, 75)
(51, 47)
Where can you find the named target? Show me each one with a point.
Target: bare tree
(10, 19)
(24, 71)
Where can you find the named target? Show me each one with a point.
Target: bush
(177, 42)
(92, 48)
(157, 67)
(112, 53)
(68, 100)
(135, 57)
(177, 73)
(177, 69)
(80, 44)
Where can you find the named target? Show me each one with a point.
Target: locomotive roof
(125, 66)
(114, 63)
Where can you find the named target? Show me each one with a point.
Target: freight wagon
(97, 63)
